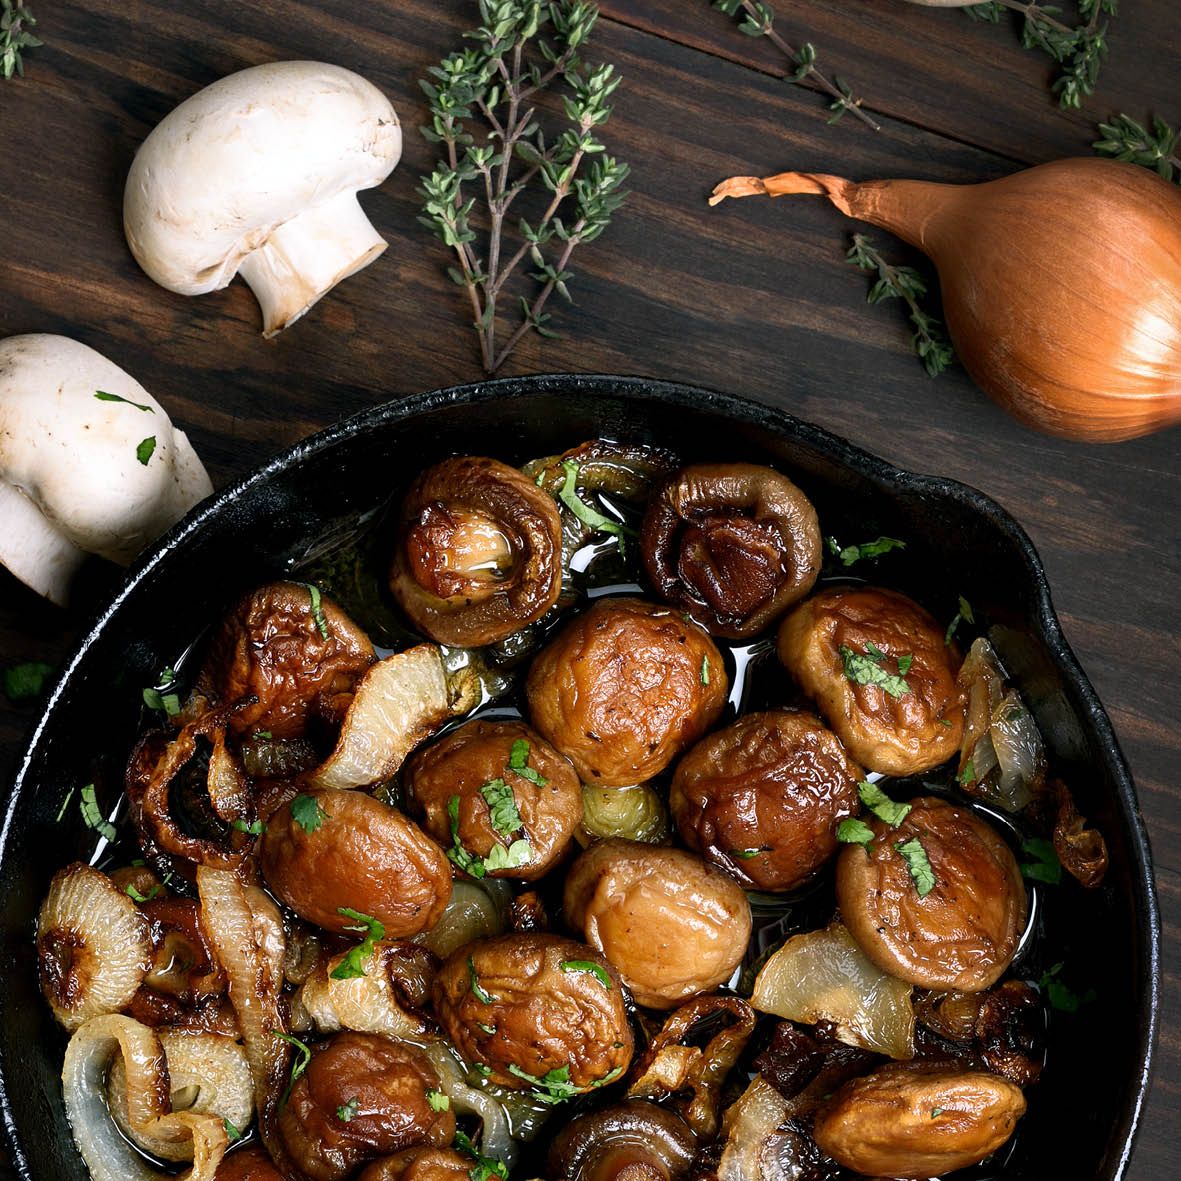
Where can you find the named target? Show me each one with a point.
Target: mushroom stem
(305, 257)
(34, 548)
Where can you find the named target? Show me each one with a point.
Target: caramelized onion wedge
(92, 946)
(824, 976)
(208, 1075)
(108, 1156)
(755, 1147)
(496, 1139)
(398, 703)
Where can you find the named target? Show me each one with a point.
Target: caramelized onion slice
(755, 1149)
(496, 1139)
(109, 1157)
(1082, 850)
(824, 976)
(398, 703)
(92, 946)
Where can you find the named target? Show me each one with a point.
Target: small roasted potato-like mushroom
(918, 1120)
(362, 1096)
(478, 552)
(535, 1010)
(624, 688)
(292, 649)
(763, 797)
(733, 544)
(881, 675)
(508, 785)
(633, 1141)
(326, 851)
(962, 931)
(670, 924)
(248, 1164)
(420, 1164)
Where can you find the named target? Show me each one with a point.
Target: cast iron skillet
(1083, 1115)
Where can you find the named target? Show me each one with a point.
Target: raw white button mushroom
(89, 462)
(258, 175)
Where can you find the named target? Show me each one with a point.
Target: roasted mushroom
(624, 688)
(881, 675)
(918, 1120)
(633, 1141)
(763, 797)
(733, 544)
(248, 1164)
(508, 789)
(361, 1097)
(955, 924)
(330, 851)
(420, 1164)
(291, 649)
(670, 924)
(535, 1011)
(478, 551)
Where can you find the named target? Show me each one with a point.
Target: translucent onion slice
(93, 949)
(473, 913)
(208, 1075)
(751, 1129)
(496, 1139)
(92, 1050)
(399, 701)
(635, 813)
(824, 976)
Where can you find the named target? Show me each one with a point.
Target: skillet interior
(1084, 1112)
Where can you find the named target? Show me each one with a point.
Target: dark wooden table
(753, 298)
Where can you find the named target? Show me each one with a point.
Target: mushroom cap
(71, 481)
(244, 156)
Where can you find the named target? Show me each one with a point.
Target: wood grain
(752, 297)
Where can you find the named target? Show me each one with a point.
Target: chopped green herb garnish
(25, 682)
(964, 614)
(1060, 996)
(517, 854)
(485, 998)
(592, 518)
(747, 854)
(91, 815)
(705, 670)
(438, 1101)
(518, 762)
(552, 1087)
(302, 1057)
(262, 735)
(488, 1029)
(502, 807)
(346, 1111)
(865, 668)
(1045, 866)
(854, 832)
(457, 854)
(967, 775)
(486, 1167)
(232, 1132)
(307, 813)
(596, 970)
(881, 805)
(936, 1111)
(254, 827)
(945, 722)
(168, 702)
(353, 964)
(904, 663)
(65, 804)
(318, 616)
(146, 449)
(103, 396)
(136, 896)
(915, 856)
(867, 549)
(609, 1077)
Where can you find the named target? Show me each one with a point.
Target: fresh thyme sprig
(1078, 48)
(522, 48)
(930, 341)
(15, 38)
(758, 20)
(1125, 139)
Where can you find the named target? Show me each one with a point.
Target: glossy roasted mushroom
(328, 851)
(733, 544)
(881, 675)
(248, 1164)
(293, 650)
(420, 1164)
(763, 797)
(535, 1011)
(505, 785)
(633, 1141)
(671, 925)
(624, 688)
(361, 1097)
(956, 926)
(477, 554)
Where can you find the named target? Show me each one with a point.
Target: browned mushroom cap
(918, 1120)
(478, 552)
(248, 1164)
(362, 1096)
(964, 931)
(474, 765)
(672, 925)
(420, 1164)
(535, 1010)
(734, 544)
(763, 797)
(624, 688)
(294, 650)
(327, 850)
(877, 667)
(633, 1141)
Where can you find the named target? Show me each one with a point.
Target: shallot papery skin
(1061, 284)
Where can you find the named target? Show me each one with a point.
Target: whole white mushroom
(258, 175)
(89, 462)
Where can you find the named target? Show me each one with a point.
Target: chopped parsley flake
(254, 827)
(921, 873)
(881, 805)
(457, 854)
(592, 518)
(967, 775)
(233, 1133)
(904, 663)
(168, 702)
(867, 549)
(485, 998)
(65, 804)
(518, 763)
(964, 614)
(302, 1057)
(136, 896)
(146, 449)
(317, 609)
(353, 964)
(865, 668)
(502, 807)
(517, 854)
(346, 1111)
(936, 1111)
(486, 1167)
(92, 817)
(553, 1087)
(854, 832)
(705, 670)
(747, 854)
(103, 396)
(1045, 866)
(1060, 996)
(596, 970)
(438, 1101)
(307, 813)
(25, 682)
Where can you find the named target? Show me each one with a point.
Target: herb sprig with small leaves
(489, 92)
(352, 966)
(1152, 147)
(15, 22)
(758, 20)
(26, 682)
(851, 554)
